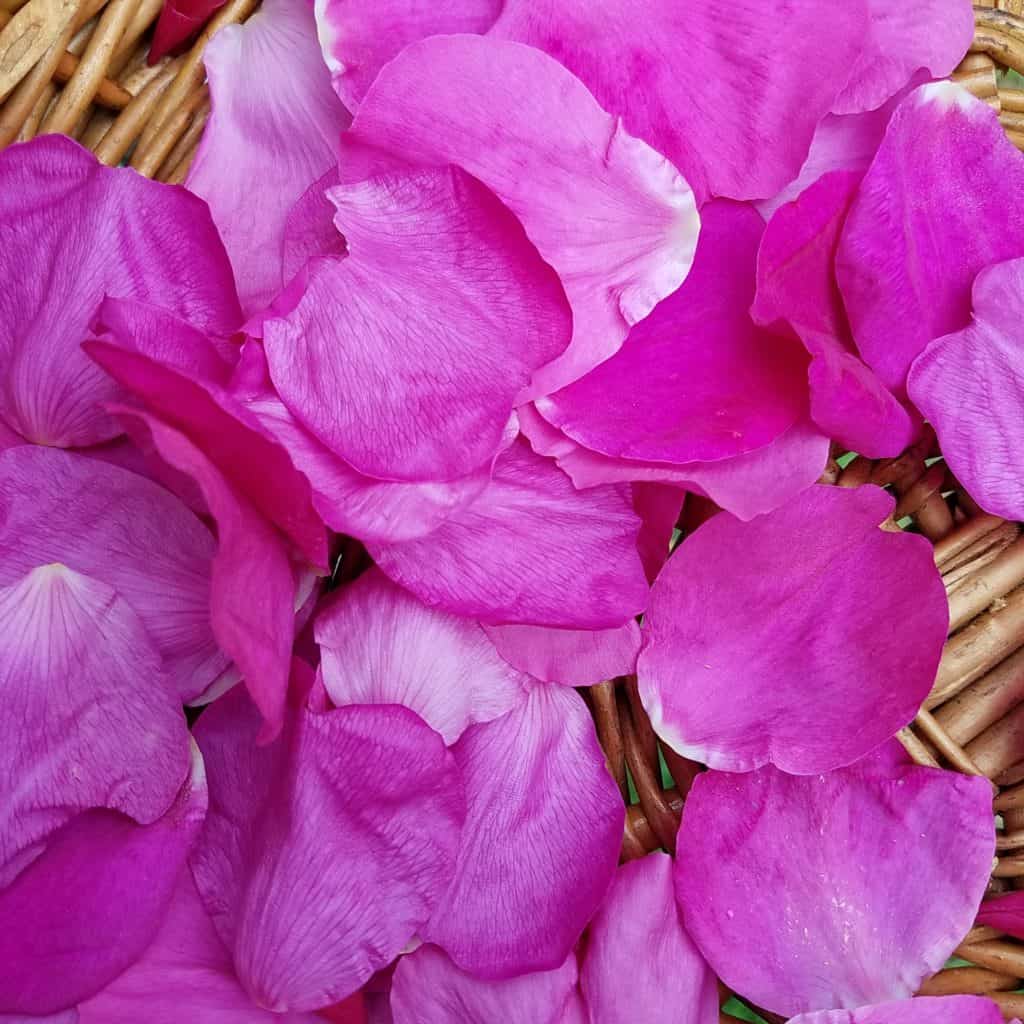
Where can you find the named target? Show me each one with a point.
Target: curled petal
(379, 645)
(73, 231)
(536, 859)
(970, 386)
(659, 507)
(822, 583)
(1005, 912)
(930, 214)
(311, 887)
(612, 216)
(179, 21)
(843, 922)
(924, 1010)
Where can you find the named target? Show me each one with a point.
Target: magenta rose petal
(925, 1010)
(537, 856)
(114, 526)
(1005, 912)
(89, 905)
(429, 989)
(930, 214)
(875, 872)
(380, 645)
(697, 380)
(274, 130)
(904, 39)
(325, 851)
(659, 507)
(821, 679)
(611, 215)
(380, 401)
(62, 211)
(970, 387)
(640, 964)
(180, 20)
(530, 549)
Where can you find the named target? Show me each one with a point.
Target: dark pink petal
(185, 975)
(575, 657)
(930, 214)
(640, 964)
(115, 526)
(71, 231)
(252, 586)
(536, 857)
(274, 130)
(797, 290)
(612, 216)
(86, 908)
(325, 851)
(926, 1010)
(697, 380)
(429, 989)
(407, 381)
(179, 21)
(530, 549)
(771, 641)
(903, 39)
(970, 386)
(1005, 912)
(380, 645)
(659, 507)
(805, 904)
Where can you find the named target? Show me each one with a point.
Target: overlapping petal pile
(480, 293)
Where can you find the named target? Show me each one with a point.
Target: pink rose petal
(1005, 912)
(926, 1010)
(771, 641)
(537, 857)
(612, 216)
(970, 387)
(669, 981)
(380, 645)
(842, 889)
(179, 20)
(659, 507)
(325, 851)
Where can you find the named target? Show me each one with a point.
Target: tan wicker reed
(79, 67)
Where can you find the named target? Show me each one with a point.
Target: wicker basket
(79, 67)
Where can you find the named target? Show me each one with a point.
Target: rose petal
(841, 921)
(277, 122)
(115, 526)
(1005, 912)
(429, 989)
(659, 507)
(536, 858)
(379, 645)
(179, 20)
(630, 236)
(85, 909)
(325, 851)
(73, 231)
(925, 1010)
(696, 381)
(970, 386)
(670, 981)
(930, 214)
(530, 549)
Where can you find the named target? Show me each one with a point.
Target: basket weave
(79, 67)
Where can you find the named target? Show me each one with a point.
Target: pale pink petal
(640, 964)
(115, 526)
(904, 39)
(85, 909)
(408, 381)
(925, 1010)
(1005, 912)
(970, 386)
(574, 657)
(771, 641)
(185, 974)
(611, 215)
(325, 851)
(61, 1017)
(530, 549)
(792, 888)
(697, 380)
(73, 231)
(930, 214)
(252, 586)
(273, 131)
(429, 989)
(380, 645)
(797, 290)
(537, 855)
